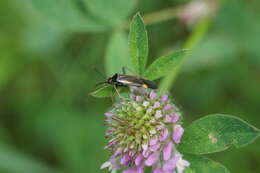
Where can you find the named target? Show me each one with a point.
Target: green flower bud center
(134, 127)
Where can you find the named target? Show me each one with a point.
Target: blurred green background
(48, 48)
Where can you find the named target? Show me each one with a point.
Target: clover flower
(191, 13)
(143, 130)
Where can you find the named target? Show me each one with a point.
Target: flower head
(191, 13)
(143, 130)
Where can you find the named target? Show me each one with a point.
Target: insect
(123, 80)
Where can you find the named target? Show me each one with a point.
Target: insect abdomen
(150, 84)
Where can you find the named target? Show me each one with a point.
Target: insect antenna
(100, 83)
(101, 74)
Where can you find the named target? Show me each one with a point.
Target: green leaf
(117, 55)
(104, 91)
(138, 44)
(200, 164)
(164, 65)
(215, 133)
(67, 14)
(110, 12)
(108, 91)
(7, 60)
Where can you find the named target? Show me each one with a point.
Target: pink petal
(160, 127)
(164, 134)
(108, 114)
(155, 147)
(158, 114)
(168, 119)
(138, 159)
(175, 117)
(177, 156)
(158, 170)
(167, 107)
(171, 118)
(131, 153)
(152, 159)
(108, 120)
(118, 151)
(130, 170)
(125, 159)
(167, 151)
(170, 164)
(177, 133)
(164, 98)
(140, 169)
(114, 162)
(146, 153)
(153, 141)
(153, 95)
(156, 105)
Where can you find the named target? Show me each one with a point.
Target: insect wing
(150, 84)
(130, 80)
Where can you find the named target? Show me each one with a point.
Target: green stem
(160, 16)
(193, 40)
(154, 17)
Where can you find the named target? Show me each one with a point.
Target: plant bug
(123, 80)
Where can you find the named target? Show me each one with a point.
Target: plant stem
(160, 16)
(193, 40)
(154, 17)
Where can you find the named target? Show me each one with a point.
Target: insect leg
(123, 70)
(117, 91)
(101, 74)
(100, 83)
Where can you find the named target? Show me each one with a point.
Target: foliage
(49, 123)
(215, 133)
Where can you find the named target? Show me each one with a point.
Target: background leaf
(200, 164)
(16, 162)
(6, 73)
(67, 14)
(117, 54)
(215, 133)
(164, 65)
(138, 44)
(110, 12)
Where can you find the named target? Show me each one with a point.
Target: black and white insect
(121, 80)
(124, 80)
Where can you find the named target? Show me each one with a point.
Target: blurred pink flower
(191, 13)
